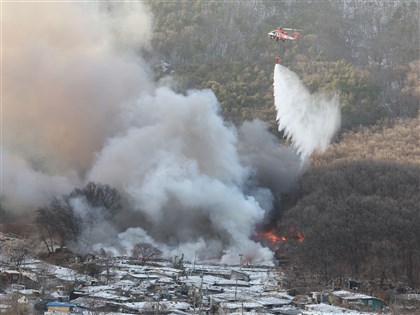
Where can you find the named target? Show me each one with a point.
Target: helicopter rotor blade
(292, 29)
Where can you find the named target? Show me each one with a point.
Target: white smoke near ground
(179, 166)
(132, 236)
(310, 121)
(94, 224)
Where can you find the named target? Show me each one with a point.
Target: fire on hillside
(273, 238)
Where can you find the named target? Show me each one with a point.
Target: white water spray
(309, 121)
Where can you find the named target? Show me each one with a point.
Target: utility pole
(236, 287)
(201, 292)
(195, 258)
(194, 299)
(157, 305)
(240, 268)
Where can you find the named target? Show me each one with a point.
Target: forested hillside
(359, 219)
(367, 51)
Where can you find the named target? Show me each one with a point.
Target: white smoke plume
(179, 166)
(310, 121)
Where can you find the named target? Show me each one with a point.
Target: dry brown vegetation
(398, 142)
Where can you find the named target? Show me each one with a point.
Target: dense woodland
(359, 219)
(368, 51)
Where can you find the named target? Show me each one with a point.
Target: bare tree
(58, 221)
(18, 250)
(15, 306)
(101, 201)
(43, 222)
(145, 252)
(61, 221)
(100, 196)
(108, 262)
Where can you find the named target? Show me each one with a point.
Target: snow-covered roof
(88, 302)
(96, 288)
(244, 304)
(57, 295)
(9, 271)
(291, 310)
(124, 283)
(346, 295)
(278, 294)
(143, 276)
(164, 269)
(230, 296)
(270, 300)
(170, 305)
(326, 309)
(109, 296)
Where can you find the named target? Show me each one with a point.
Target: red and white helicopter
(281, 34)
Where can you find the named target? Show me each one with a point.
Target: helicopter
(281, 34)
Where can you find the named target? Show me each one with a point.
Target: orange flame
(299, 236)
(273, 237)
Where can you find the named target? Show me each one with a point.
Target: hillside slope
(399, 142)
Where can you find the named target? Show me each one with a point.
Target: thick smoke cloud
(275, 166)
(23, 186)
(65, 81)
(310, 121)
(179, 166)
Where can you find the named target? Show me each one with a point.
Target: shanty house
(239, 275)
(59, 308)
(355, 300)
(11, 276)
(241, 306)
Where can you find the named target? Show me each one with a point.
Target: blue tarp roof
(61, 304)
